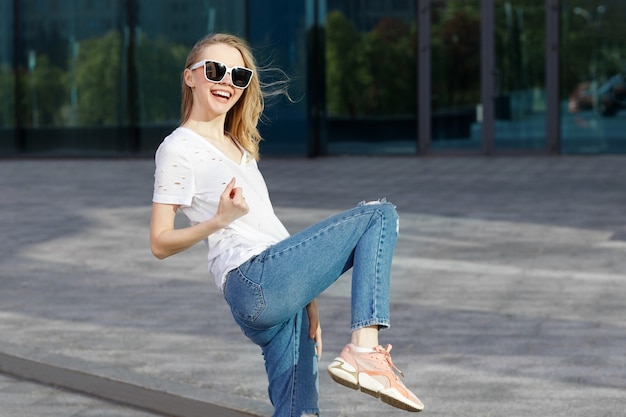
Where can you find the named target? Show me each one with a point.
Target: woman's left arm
(315, 329)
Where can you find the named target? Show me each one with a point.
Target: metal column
(423, 76)
(487, 73)
(553, 116)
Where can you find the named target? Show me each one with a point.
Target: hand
(232, 204)
(315, 329)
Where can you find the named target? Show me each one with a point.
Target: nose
(227, 78)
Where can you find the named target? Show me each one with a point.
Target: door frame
(488, 75)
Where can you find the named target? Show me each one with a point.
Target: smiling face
(212, 100)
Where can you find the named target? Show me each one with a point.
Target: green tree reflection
(99, 81)
(370, 73)
(159, 64)
(7, 93)
(43, 88)
(94, 88)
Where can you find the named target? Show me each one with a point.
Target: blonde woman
(207, 168)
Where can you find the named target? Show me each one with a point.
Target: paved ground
(20, 398)
(508, 289)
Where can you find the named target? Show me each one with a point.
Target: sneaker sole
(344, 374)
(395, 399)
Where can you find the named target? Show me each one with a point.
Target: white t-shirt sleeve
(174, 181)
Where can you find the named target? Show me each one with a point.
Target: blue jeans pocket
(244, 296)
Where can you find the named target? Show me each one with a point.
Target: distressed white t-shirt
(193, 173)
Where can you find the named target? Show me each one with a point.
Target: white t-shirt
(193, 173)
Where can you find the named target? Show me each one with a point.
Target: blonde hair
(241, 121)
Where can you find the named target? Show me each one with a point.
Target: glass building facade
(403, 77)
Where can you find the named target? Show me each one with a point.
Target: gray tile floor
(508, 285)
(22, 398)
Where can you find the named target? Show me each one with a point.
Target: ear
(188, 77)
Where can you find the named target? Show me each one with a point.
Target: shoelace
(385, 351)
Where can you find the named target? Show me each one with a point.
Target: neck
(213, 129)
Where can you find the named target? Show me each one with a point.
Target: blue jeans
(268, 295)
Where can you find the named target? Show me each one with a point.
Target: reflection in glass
(72, 54)
(593, 71)
(165, 32)
(520, 102)
(7, 80)
(455, 49)
(100, 72)
(371, 78)
(7, 116)
(281, 43)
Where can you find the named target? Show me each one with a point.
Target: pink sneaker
(373, 373)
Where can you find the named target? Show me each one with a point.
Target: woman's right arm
(165, 240)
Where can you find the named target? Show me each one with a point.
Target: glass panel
(520, 102)
(455, 46)
(593, 73)
(72, 74)
(371, 76)
(165, 32)
(280, 44)
(74, 57)
(7, 80)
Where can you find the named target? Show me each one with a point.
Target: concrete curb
(130, 388)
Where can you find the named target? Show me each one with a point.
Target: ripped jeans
(268, 295)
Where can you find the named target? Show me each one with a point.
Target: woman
(207, 168)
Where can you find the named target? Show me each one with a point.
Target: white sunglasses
(215, 72)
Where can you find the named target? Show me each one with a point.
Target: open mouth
(222, 94)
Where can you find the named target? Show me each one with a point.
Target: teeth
(222, 94)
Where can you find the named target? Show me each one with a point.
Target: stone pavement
(20, 398)
(508, 289)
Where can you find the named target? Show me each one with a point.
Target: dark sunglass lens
(215, 71)
(241, 76)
